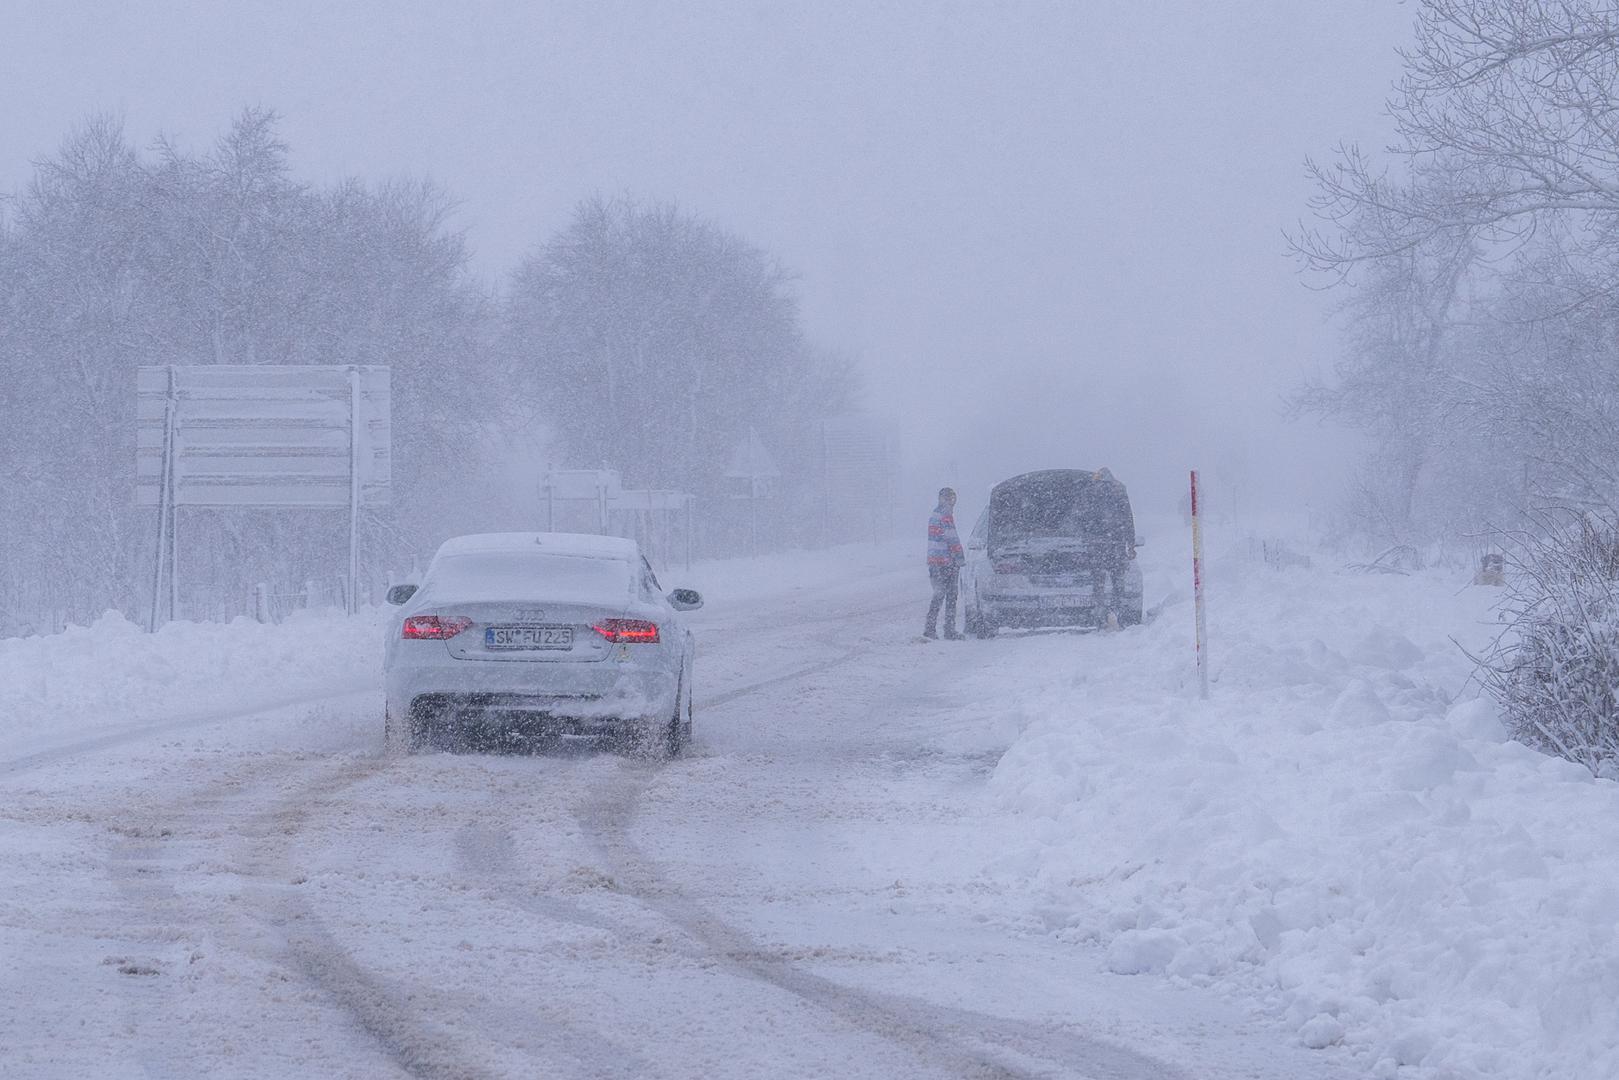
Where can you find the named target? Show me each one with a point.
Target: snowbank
(90, 680)
(1341, 834)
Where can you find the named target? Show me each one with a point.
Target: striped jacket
(944, 546)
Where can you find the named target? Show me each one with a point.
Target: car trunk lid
(531, 632)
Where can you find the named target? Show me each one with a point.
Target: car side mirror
(685, 599)
(976, 544)
(400, 593)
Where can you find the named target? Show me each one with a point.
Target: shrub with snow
(1555, 672)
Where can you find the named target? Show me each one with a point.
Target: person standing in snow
(944, 565)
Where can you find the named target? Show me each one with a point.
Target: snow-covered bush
(1555, 671)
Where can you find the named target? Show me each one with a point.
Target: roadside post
(166, 558)
(1197, 593)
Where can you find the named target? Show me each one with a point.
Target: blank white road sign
(265, 436)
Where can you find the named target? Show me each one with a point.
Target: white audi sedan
(524, 636)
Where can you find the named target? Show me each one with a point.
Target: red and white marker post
(1197, 593)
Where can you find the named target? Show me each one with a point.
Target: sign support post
(355, 442)
(165, 511)
(1197, 592)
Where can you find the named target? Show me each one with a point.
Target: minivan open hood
(1071, 508)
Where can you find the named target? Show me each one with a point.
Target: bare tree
(652, 340)
(1508, 110)
(1395, 377)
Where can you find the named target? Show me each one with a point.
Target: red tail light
(434, 627)
(628, 631)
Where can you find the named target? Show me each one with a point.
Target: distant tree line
(643, 338)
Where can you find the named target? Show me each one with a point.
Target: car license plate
(528, 637)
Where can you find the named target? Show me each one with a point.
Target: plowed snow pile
(1341, 832)
(89, 680)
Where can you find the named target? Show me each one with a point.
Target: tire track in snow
(245, 826)
(959, 1041)
(143, 866)
(410, 1023)
(166, 848)
(397, 1019)
(963, 1042)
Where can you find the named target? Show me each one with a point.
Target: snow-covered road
(263, 893)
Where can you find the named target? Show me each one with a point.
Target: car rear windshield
(518, 575)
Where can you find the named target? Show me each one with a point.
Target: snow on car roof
(582, 545)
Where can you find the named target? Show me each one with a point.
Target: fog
(1050, 234)
(292, 292)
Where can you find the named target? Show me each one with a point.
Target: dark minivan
(1053, 548)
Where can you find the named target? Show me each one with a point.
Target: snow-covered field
(1040, 855)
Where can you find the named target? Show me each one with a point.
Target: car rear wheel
(976, 626)
(674, 740)
(679, 726)
(671, 742)
(687, 723)
(659, 739)
(400, 736)
(425, 727)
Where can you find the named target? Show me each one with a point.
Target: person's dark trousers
(946, 584)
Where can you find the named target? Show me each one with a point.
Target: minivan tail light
(628, 631)
(434, 627)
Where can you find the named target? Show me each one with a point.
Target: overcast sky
(1051, 231)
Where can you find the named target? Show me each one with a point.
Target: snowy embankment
(93, 680)
(1341, 834)
(90, 681)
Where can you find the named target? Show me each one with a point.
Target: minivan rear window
(1067, 505)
